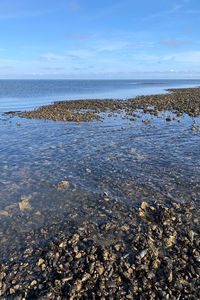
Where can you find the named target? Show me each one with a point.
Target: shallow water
(127, 159)
(97, 156)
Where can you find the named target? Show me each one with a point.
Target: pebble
(138, 263)
(64, 184)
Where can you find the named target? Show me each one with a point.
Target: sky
(92, 39)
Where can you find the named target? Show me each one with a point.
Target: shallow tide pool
(129, 160)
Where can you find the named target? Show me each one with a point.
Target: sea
(29, 94)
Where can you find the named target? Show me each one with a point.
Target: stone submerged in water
(24, 203)
(64, 184)
(144, 263)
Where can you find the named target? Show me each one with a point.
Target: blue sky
(99, 39)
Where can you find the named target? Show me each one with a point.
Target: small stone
(85, 277)
(64, 184)
(142, 254)
(78, 255)
(146, 121)
(106, 199)
(34, 282)
(125, 228)
(169, 242)
(156, 264)
(117, 247)
(12, 291)
(130, 270)
(40, 262)
(191, 235)
(4, 213)
(195, 127)
(38, 213)
(144, 205)
(24, 203)
(170, 276)
(62, 245)
(100, 270)
(79, 285)
(154, 227)
(168, 119)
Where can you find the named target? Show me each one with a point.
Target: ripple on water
(131, 161)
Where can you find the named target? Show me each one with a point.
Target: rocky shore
(153, 254)
(179, 101)
(82, 245)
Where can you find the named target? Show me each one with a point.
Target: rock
(169, 242)
(78, 285)
(125, 228)
(142, 254)
(146, 121)
(195, 127)
(168, 119)
(4, 213)
(78, 255)
(12, 291)
(100, 270)
(64, 184)
(24, 203)
(90, 262)
(144, 205)
(34, 282)
(40, 262)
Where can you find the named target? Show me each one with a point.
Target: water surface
(29, 94)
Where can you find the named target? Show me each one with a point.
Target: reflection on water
(129, 160)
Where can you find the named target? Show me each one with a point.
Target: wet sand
(102, 210)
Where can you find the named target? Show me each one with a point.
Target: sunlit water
(28, 94)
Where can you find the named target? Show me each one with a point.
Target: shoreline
(179, 101)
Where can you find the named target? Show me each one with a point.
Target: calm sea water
(28, 94)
